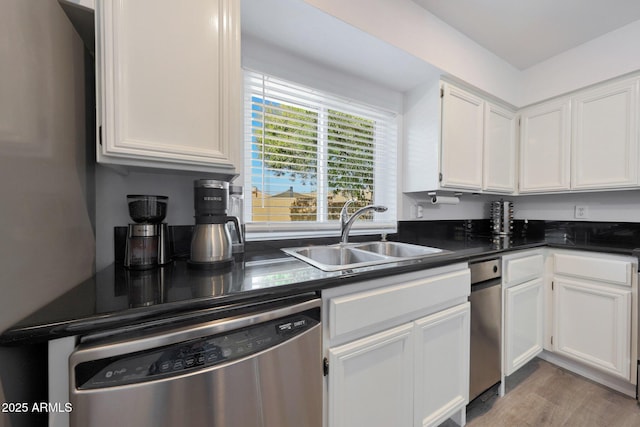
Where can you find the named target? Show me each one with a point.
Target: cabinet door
(499, 169)
(605, 140)
(592, 324)
(441, 365)
(462, 133)
(370, 380)
(523, 324)
(544, 147)
(170, 79)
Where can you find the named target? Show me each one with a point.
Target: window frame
(323, 227)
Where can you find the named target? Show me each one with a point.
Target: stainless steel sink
(331, 258)
(398, 250)
(355, 255)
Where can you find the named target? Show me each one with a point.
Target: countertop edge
(210, 307)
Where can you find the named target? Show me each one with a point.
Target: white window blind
(307, 152)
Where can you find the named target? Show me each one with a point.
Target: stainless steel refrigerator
(47, 243)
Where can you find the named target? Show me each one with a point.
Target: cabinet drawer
(350, 313)
(593, 268)
(520, 270)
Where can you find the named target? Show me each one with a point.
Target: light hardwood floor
(542, 394)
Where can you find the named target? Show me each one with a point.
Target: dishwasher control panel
(191, 355)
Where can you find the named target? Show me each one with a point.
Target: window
(307, 152)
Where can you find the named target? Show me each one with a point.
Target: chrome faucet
(346, 222)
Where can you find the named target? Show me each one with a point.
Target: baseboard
(617, 384)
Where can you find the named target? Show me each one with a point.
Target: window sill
(259, 232)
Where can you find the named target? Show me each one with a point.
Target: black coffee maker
(211, 243)
(147, 238)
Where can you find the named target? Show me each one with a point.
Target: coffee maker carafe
(235, 209)
(147, 238)
(211, 244)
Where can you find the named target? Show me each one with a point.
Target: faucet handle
(344, 213)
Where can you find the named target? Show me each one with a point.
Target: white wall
(406, 25)
(269, 59)
(611, 55)
(471, 206)
(612, 206)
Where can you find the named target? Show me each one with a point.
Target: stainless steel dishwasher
(486, 326)
(257, 369)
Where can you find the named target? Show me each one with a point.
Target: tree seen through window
(329, 152)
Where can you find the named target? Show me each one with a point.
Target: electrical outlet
(581, 212)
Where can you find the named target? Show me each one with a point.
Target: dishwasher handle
(485, 270)
(92, 352)
(201, 348)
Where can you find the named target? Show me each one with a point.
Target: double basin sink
(355, 255)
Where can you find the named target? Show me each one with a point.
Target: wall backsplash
(471, 206)
(112, 188)
(111, 204)
(610, 206)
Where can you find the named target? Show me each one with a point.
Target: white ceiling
(526, 32)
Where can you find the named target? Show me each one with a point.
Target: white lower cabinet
(575, 309)
(441, 365)
(371, 380)
(523, 324)
(420, 367)
(594, 316)
(593, 324)
(398, 350)
(524, 308)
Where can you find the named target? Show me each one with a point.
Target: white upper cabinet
(499, 169)
(545, 147)
(605, 137)
(421, 146)
(462, 139)
(169, 83)
(456, 140)
(586, 142)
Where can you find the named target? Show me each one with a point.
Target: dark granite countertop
(116, 298)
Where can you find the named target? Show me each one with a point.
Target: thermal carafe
(236, 202)
(211, 244)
